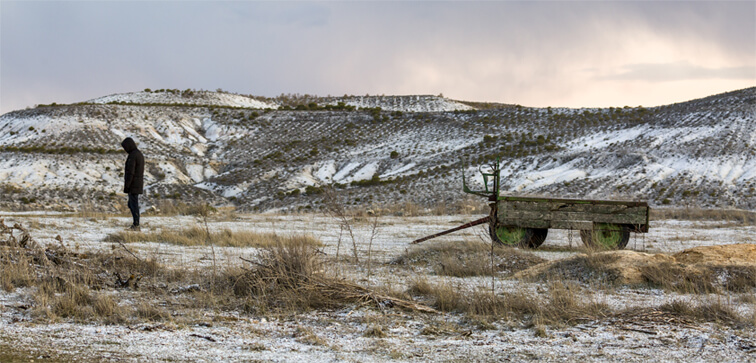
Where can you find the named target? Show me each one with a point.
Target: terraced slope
(376, 150)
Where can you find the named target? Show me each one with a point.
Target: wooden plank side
(620, 218)
(529, 223)
(533, 213)
(566, 207)
(504, 198)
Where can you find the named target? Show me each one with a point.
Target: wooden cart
(525, 221)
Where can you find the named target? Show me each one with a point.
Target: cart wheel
(517, 236)
(606, 236)
(539, 235)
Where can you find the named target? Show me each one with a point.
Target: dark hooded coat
(134, 171)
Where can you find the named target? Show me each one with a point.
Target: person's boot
(134, 228)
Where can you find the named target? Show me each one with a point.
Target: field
(223, 286)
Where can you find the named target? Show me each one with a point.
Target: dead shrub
(283, 276)
(292, 276)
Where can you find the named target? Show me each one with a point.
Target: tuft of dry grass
(374, 331)
(711, 310)
(198, 236)
(467, 258)
(305, 335)
(167, 207)
(149, 311)
(17, 270)
(91, 212)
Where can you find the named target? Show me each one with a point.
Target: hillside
(263, 154)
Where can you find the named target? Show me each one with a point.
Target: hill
(273, 154)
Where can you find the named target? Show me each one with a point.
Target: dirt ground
(638, 330)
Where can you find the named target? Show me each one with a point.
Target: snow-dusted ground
(342, 334)
(393, 236)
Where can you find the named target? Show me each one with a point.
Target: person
(133, 178)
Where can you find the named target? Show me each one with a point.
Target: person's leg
(134, 208)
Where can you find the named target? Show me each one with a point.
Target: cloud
(532, 53)
(680, 71)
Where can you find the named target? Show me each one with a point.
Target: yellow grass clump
(198, 236)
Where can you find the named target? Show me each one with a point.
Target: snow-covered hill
(424, 103)
(384, 150)
(175, 97)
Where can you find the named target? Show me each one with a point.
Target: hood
(128, 144)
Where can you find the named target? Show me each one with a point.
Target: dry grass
(198, 236)
(374, 331)
(148, 311)
(290, 275)
(63, 281)
(673, 277)
(606, 270)
(293, 277)
(466, 206)
(711, 310)
(701, 280)
(16, 267)
(562, 303)
(737, 216)
(305, 335)
(90, 212)
(467, 258)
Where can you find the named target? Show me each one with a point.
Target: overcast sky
(575, 54)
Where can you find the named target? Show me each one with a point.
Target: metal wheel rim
(606, 235)
(510, 236)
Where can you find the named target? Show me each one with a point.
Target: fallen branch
(208, 338)
(649, 332)
(129, 251)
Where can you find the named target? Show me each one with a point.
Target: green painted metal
(511, 235)
(606, 236)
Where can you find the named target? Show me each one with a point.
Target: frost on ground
(638, 322)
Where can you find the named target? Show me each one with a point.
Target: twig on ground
(129, 251)
(208, 338)
(649, 332)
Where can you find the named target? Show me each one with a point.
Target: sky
(532, 53)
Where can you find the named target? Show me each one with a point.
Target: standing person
(134, 178)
